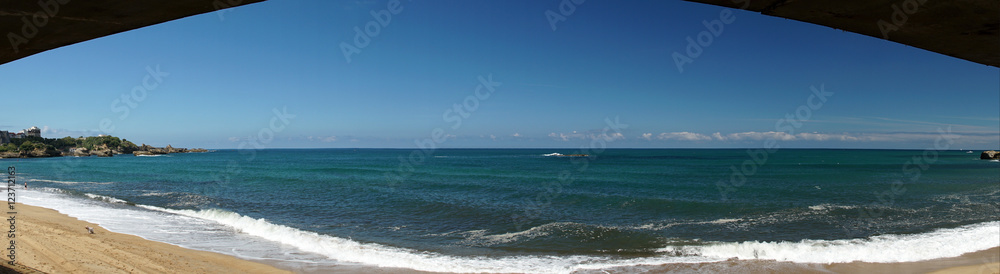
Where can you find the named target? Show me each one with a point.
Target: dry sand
(989, 268)
(51, 242)
(981, 262)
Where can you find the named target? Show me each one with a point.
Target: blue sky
(274, 75)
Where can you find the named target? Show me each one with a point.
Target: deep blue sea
(535, 210)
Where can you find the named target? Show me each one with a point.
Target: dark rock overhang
(34, 26)
(964, 29)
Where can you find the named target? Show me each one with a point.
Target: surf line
(11, 200)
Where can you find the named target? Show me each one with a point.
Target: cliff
(101, 146)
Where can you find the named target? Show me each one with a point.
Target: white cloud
(49, 132)
(516, 134)
(234, 139)
(759, 136)
(327, 139)
(575, 135)
(683, 136)
(647, 136)
(560, 136)
(826, 137)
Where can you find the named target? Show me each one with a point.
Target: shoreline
(52, 242)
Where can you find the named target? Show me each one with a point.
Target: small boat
(968, 151)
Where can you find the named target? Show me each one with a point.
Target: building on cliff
(5, 136)
(32, 132)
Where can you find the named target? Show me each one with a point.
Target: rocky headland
(101, 146)
(146, 150)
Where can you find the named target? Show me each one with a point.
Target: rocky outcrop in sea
(147, 150)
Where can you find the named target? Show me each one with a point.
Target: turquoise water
(523, 211)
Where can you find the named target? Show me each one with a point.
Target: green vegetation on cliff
(65, 143)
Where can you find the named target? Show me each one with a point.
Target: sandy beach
(51, 242)
(981, 262)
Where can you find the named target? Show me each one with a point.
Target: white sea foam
(479, 237)
(346, 250)
(106, 199)
(157, 193)
(940, 243)
(246, 237)
(170, 228)
(662, 226)
(552, 154)
(823, 207)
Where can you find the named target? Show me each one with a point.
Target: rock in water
(990, 155)
(102, 153)
(80, 152)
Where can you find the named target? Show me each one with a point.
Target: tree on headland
(104, 146)
(128, 145)
(9, 147)
(26, 146)
(109, 142)
(64, 143)
(29, 146)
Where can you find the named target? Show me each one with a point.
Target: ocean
(535, 210)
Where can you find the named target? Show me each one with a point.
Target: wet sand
(52, 242)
